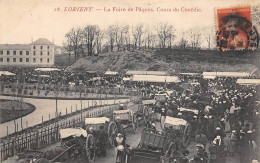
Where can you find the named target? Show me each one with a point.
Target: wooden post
(71, 109)
(6, 130)
(49, 116)
(66, 111)
(42, 118)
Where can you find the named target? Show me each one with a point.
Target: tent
(111, 73)
(248, 81)
(226, 74)
(47, 69)
(130, 72)
(156, 79)
(7, 73)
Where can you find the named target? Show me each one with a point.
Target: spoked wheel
(90, 148)
(112, 132)
(186, 135)
(170, 151)
(135, 123)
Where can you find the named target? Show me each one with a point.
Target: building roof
(14, 47)
(42, 41)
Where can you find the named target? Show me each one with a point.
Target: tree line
(92, 40)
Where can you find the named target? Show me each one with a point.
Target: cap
(222, 119)
(218, 128)
(200, 146)
(153, 124)
(249, 131)
(210, 116)
(218, 137)
(206, 116)
(194, 116)
(179, 114)
(119, 134)
(233, 131)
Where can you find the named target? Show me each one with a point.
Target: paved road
(46, 108)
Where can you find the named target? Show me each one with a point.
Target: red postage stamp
(235, 29)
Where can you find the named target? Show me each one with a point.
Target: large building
(38, 53)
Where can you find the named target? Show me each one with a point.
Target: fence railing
(42, 136)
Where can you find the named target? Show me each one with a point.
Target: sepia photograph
(109, 81)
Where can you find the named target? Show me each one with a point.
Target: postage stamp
(234, 30)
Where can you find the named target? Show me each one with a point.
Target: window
(41, 47)
(21, 59)
(8, 52)
(1, 52)
(41, 60)
(21, 52)
(14, 52)
(34, 47)
(34, 52)
(48, 53)
(14, 59)
(8, 59)
(27, 60)
(27, 52)
(34, 60)
(48, 60)
(41, 52)
(1, 59)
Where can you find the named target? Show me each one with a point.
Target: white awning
(175, 121)
(121, 111)
(248, 81)
(111, 73)
(147, 102)
(97, 120)
(47, 69)
(227, 74)
(189, 110)
(130, 72)
(76, 132)
(126, 79)
(7, 73)
(157, 79)
(209, 77)
(190, 74)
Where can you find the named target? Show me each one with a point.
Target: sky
(22, 21)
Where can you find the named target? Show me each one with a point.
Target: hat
(218, 137)
(218, 128)
(249, 131)
(163, 109)
(210, 116)
(194, 116)
(120, 147)
(233, 131)
(206, 116)
(200, 146)
(179, 114)
(222, 119)
(153, 124)
(119, 134)
(117, 117)
(90, 128)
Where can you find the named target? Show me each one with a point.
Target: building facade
(38, 53)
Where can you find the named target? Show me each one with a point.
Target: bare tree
(194, 38)
(98, 40)
(112, 33)
(165, 33)
(209, 34)
(90, 33)
(74, 41)
(138, 32)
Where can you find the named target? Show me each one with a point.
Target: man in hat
(119, 143)
(163, 116)
(120, 127)
(103, 139)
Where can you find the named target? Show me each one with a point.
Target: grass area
(171, 60)
(10, 110)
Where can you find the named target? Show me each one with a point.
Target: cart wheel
(90, 148)
(171, 149)
(112, 132)
(186, 135)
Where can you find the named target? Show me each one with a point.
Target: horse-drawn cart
(110, 127)
(127, 117)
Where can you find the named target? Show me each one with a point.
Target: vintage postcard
(127, 81)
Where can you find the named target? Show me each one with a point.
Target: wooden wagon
(110, 127)
(153, 146)
(75, 145)
(181, 127)
(127, 117)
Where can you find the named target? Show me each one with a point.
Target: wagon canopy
(111, 73)
(148, 102)
(76, 132)
(175, 121)
(248, 81)
(47, 69)
(156, 79)
(189, 110)
(97, 120)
